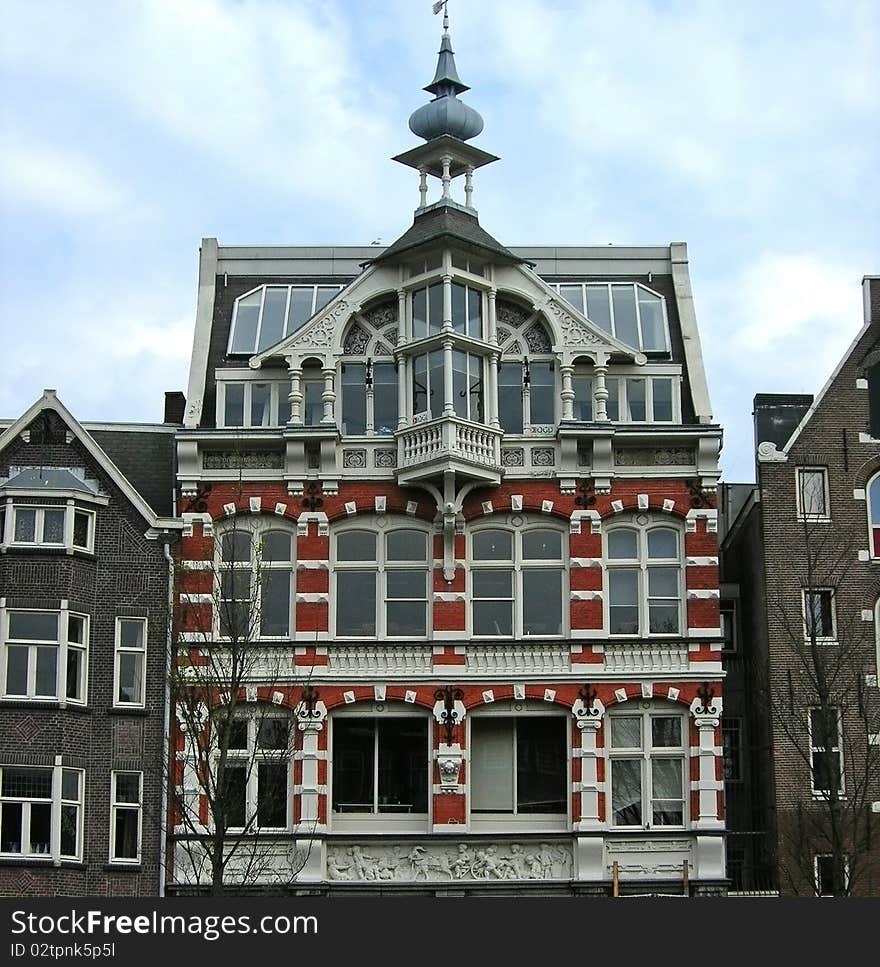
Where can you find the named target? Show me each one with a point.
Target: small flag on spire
(438, 6)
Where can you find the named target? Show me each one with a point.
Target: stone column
(402, 391)
(448, 403)
(600, 390)
(423, 186)
(296, 395)
(706, 712)
(469, 187)
(328, 397)
(589, 721)
(492, 318)
(310, 723)
(567, 394)
(492, 392)
(447, 178)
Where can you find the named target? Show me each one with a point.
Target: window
(642, 399)
(428, 384)
(427, 310)
(729, 629)
(812, 493)
(644, 578)
(253, 404)
(126, 801)
(67, 527)
(826, 751)
(467, 385)
(731, 735)
(382, 583)
(647, 761)
(34, 804)
(262, 318)
(874, 514)
(519, 765)
(255, 784)
(819, 614)
(256, 582)
(380, 765)
(629, 311)
(526, 395)
(873, 377)
(517, 583)
(369, 398)
(831, 879)
(131, 656)
(45, 655)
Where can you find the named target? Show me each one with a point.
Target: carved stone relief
(356, 341)
(543, 457)
(512, 457)
(650, 457)
(243, 460)
(354, 459)
(537, 339)
(381, 315)
(385, 458)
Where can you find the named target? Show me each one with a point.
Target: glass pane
(10, 827)
(406, 584)
(356, 546)
(131, 668)
(635, 400)
(244, 330)
(131, 633)
(406, 545)
(126, 841)
(300, 309)
(492, 584)
(541, 545)
(53, 526)
(81, 523)
(273, 732)
(16, 670)
(272, 794)
(324, 295)
(493, 545)
(435, 378)
(662, 582)
(612, 404)
(625, 326)
(623, 544)
(623, 593)
(826, 771)
(260, 410)
(542, 602)
(33, 625)
(573, 294)
(542, 397)
(313, 403)
(353, 764)
(812, 492)
(27, 783)
(492, 751)
(272, 328)
(598, 310)
(665, 731)
(74, 673)
(354, 399)
(236, 547)
(626, 731)
(663, 619)
(662, 543)
(233, 413)
(459, 307)
(475, 312)
(435, 307)
(275, 598)
(626, 792)
(493, 618)
(41, 828)
(356, 603)
(662, 389)
(385, 398)
(460, 384)
(667, 792)
(76, 629)
(403, 765)
(237, 737)
(128, 787)
(583, 398)
(283, 403)
(406, 618)
(230, 800)
(420, 313)
(47, 670)
(420, 384)
(541, 765)
(277, 546)
(510, 398)
(653, 329)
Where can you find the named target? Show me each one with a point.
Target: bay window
(467, 386)
(644, 578)
(65, 528)
(427, 382)
(45, 655)
(37, 806)
(646, 752)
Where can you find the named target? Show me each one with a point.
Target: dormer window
(630, 311)
(267, 315)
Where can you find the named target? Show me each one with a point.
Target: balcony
(430, 449)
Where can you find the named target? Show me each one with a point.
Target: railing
(532, 659)
(641, 656)
(449, 437)
(388, 659)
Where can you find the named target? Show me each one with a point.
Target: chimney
(175, 404)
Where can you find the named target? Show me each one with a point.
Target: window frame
(873, 510)
(518, 564)
(817, 749)
(64, 647)
(800, 491)
(286, 331)
(116, 805)
(732, 753)
(71, 509)
(57, 803)
(817, 878)
(832, 611)
(279, 391)
(119, 650)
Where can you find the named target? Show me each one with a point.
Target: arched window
(643, 565)
(874, 514)
(381, 583)
(646, 751)
(369, 372)
(518, 586)
(256, 565)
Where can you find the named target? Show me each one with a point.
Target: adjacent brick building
(463, 497)
(85, 521)
(802, 554)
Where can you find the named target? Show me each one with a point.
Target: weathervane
(441, 5)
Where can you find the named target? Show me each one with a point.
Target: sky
(130, 129)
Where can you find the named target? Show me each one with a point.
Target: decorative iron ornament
(705, 693)
(313, 500)
(585, 496)
(587, 694)
(449, 717)
(198, 503)
(309, 698)
(699, 497)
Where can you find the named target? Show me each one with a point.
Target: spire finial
(444, 4)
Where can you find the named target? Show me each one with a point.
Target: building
(457, 503)
(86, 518)
(802, 556)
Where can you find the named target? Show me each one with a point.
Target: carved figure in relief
(462, 866)
(388, 869)
(364, 866)
(513, 867)
(424, 864)
(336, 870)
(542, 862)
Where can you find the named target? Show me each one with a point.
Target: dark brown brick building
(85, 520)
(801, 575)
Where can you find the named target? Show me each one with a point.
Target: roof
(147, 459)
(49, 478)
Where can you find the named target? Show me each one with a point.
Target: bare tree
(820, 652)
(231, 758)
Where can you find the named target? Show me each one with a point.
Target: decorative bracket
(310, 711)
(449, 760)
(449, 709)
(706, 708)
(587, 710)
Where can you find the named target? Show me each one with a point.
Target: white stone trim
(313, 598)
(860, 495)
(708, 593)
(313, 565)
(449, 596)
(585, 561)
(702, 562)
(867, 615)
(861, 382)
(196, 565)
(864, 556)
(411, 507)
(578, 516)
(585, 595)
(255, 504)
(196, 598)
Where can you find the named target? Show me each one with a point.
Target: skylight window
(265, 316)
(627, 310)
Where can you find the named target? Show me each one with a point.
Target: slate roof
(147, 459)
(49, 478)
